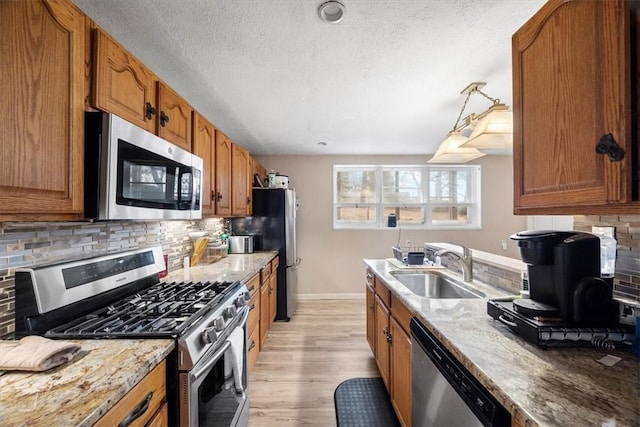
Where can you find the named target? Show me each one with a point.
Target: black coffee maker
(564, 278)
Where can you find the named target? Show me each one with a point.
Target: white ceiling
(277, 80)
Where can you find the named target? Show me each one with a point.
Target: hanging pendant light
(450, 151)
(493, 133)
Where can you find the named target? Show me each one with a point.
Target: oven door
(208, 395)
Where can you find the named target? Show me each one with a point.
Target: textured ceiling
(276, 79)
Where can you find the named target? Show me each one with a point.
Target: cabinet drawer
(253, 284)
(370, 278)
(401, 313)
(274, 264)
(265, 273)
(254, 311)
(151, 387)
(253, 347)
(382, 291)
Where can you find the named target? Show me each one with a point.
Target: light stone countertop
(231, 268)
(556, 387)
(80, 392)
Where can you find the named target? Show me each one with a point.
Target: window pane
(406, 215)
(450, 186)
(356, 186)
(360, 214)
(449, 214)
(401, 186)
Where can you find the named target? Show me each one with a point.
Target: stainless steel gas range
(120, 296)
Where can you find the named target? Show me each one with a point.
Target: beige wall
(332, 259)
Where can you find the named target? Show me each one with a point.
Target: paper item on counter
(35, 353)
(609, 360)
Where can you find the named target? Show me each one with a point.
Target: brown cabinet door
(240, 198)
(204, 146)
(382, 340)
(400, 372)
(273, 285)
(174, 117)
(122, 84)
(42, 115)
(265, 313)
(223, 174)
(572, 86)
(253, 347)
(371, 318)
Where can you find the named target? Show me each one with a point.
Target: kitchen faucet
(465, 260)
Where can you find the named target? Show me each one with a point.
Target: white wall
(332, 259)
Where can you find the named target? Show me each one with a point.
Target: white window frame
(474, 205)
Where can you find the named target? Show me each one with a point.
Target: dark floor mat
(364, 402)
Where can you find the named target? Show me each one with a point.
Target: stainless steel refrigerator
(274, 224)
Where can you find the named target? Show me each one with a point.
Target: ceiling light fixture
(450, 150)
(331, 12)
(492, 132)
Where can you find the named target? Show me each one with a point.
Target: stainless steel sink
(434, 285)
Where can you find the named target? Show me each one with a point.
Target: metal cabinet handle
(149, 111)
(252, 307)
(138, 411)
(213, 196)
(252, 345)
(252, 287)
(369, 276)
(164, 119)
(608, 145)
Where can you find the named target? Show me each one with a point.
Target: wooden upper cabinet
(241, 187)
(223, 174)
(572, 75)
(41, 119)
(122, 84)
(204, 146)
(174, 117)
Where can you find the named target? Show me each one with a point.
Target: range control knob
(229, 312)
(240, 302)
(218, 324)
(246, 296)
(208, 335)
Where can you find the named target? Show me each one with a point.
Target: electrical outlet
(628, 313)
(408, 244)
(503, 243)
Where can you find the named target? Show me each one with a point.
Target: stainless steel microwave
(133, 174)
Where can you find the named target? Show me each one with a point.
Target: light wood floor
(304, 360)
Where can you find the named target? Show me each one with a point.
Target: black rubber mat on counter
(364, 402)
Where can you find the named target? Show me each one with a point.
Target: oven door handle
(216, 356)
(212, 361)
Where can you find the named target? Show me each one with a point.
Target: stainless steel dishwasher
(443, 392)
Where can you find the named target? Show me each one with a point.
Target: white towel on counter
(35, 353)
(234, 363)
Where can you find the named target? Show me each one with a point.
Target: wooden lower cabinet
(265, 319)
(371, 318)
(161, 418)
(382, 340)
(253, 347)
(388, 335)
(400, 372)
(149, 392)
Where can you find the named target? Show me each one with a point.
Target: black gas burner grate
(163, 310)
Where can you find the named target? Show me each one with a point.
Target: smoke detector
(331, 12)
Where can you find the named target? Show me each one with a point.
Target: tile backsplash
(33, 244)
(626, 283)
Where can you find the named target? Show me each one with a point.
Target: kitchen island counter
(558, 387)
(80, 392)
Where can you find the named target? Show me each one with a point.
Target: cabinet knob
(218, 196)
(213, 196)
(150, 111)
(164, 119)
(608, 145)
(248, 201)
